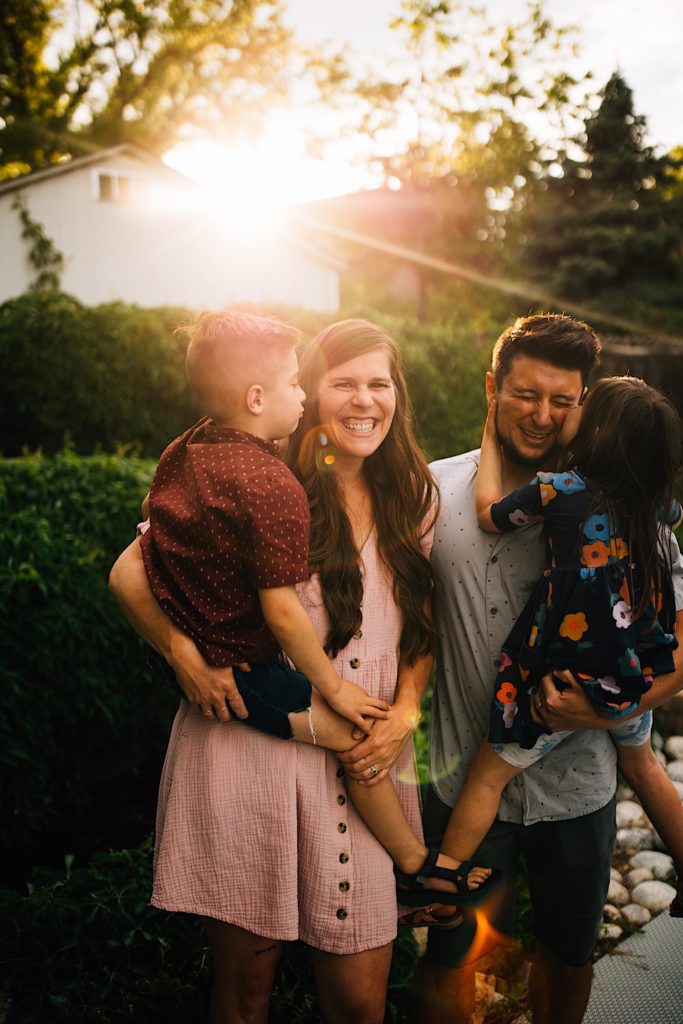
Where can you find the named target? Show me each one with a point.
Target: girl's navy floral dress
(579, 614)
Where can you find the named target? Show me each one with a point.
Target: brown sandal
(413, 919)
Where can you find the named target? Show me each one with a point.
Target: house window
(119, 186)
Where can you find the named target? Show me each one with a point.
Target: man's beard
(517, 458)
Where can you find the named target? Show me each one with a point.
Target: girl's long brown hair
(404, 497)
(630, 446)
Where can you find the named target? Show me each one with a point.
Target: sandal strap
(428, 868)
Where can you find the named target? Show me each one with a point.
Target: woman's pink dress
(259, 831)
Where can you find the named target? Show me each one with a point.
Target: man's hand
(353, 703)
(209, 689)
(382, 747)
(566, 709)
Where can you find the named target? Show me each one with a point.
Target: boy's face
(283, 398)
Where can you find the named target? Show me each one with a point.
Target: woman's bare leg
(244, 973)
(352, 987)
(378, 805)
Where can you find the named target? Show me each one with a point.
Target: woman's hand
(353, 703)
(381, 749)
(208, 689)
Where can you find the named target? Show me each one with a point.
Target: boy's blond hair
(230, 351)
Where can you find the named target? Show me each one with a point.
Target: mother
(255, 834)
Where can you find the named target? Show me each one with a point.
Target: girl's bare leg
(478, 803)
(657, 794)
(378, 805)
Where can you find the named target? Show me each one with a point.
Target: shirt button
(341, 800)
(341, 827)
(494, 611)
(355, 663)
(344, 886)
(343, 858)
(340, 773)
(342, 914)
(358, 634)
(494, 559)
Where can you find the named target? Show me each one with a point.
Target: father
(560, 813)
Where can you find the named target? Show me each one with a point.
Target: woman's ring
(539, 705)
(373, 771)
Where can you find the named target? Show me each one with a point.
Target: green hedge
(85, 946)
(78, 706)
(106, 376)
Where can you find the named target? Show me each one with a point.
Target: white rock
(611, 914)
(656, 896)
(629, 813)
(624, 793)
(616, 875)
(637, 876)
(618, 894)
(636, 915)
(660, 864)
(635, 839)
(674, 770)
(656, 740)
(673, 748)
(610, 931)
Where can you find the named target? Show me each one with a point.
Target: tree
(142, 71)
(612, 217)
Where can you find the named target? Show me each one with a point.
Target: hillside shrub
(95, 377)
(77, 702)
(85, 946)
(101, 377)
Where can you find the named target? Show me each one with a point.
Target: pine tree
(605, 223)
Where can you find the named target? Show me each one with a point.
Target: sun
(252, 185)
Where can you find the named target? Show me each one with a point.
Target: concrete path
(641, 982)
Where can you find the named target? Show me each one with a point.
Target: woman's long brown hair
(404, 497)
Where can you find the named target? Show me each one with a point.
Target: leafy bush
(100, 376)
(113, 375)
(77, 703)
(85, 946)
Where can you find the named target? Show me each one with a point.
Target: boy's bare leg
(378, 805)
(662, 804)
(478, 803)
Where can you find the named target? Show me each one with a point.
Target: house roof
(98, 156)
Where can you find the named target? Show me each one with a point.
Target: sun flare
(252, 185)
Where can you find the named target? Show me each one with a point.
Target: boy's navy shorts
(271, 692)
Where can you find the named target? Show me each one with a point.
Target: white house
(132, 229)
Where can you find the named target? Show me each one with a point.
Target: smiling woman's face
(357, 401)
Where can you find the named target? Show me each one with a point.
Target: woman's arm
(389, 737)
(205, 687)
(488, 486)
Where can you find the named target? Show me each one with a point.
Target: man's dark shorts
(271, 692)
(568, 864)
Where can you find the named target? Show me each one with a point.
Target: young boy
(229, 523)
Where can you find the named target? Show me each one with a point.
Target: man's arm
(388, 738)
(293, 630)
(206, 687)
(572, 709)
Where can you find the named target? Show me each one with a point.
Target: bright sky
(643, 41)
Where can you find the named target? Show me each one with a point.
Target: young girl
(604, 607)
